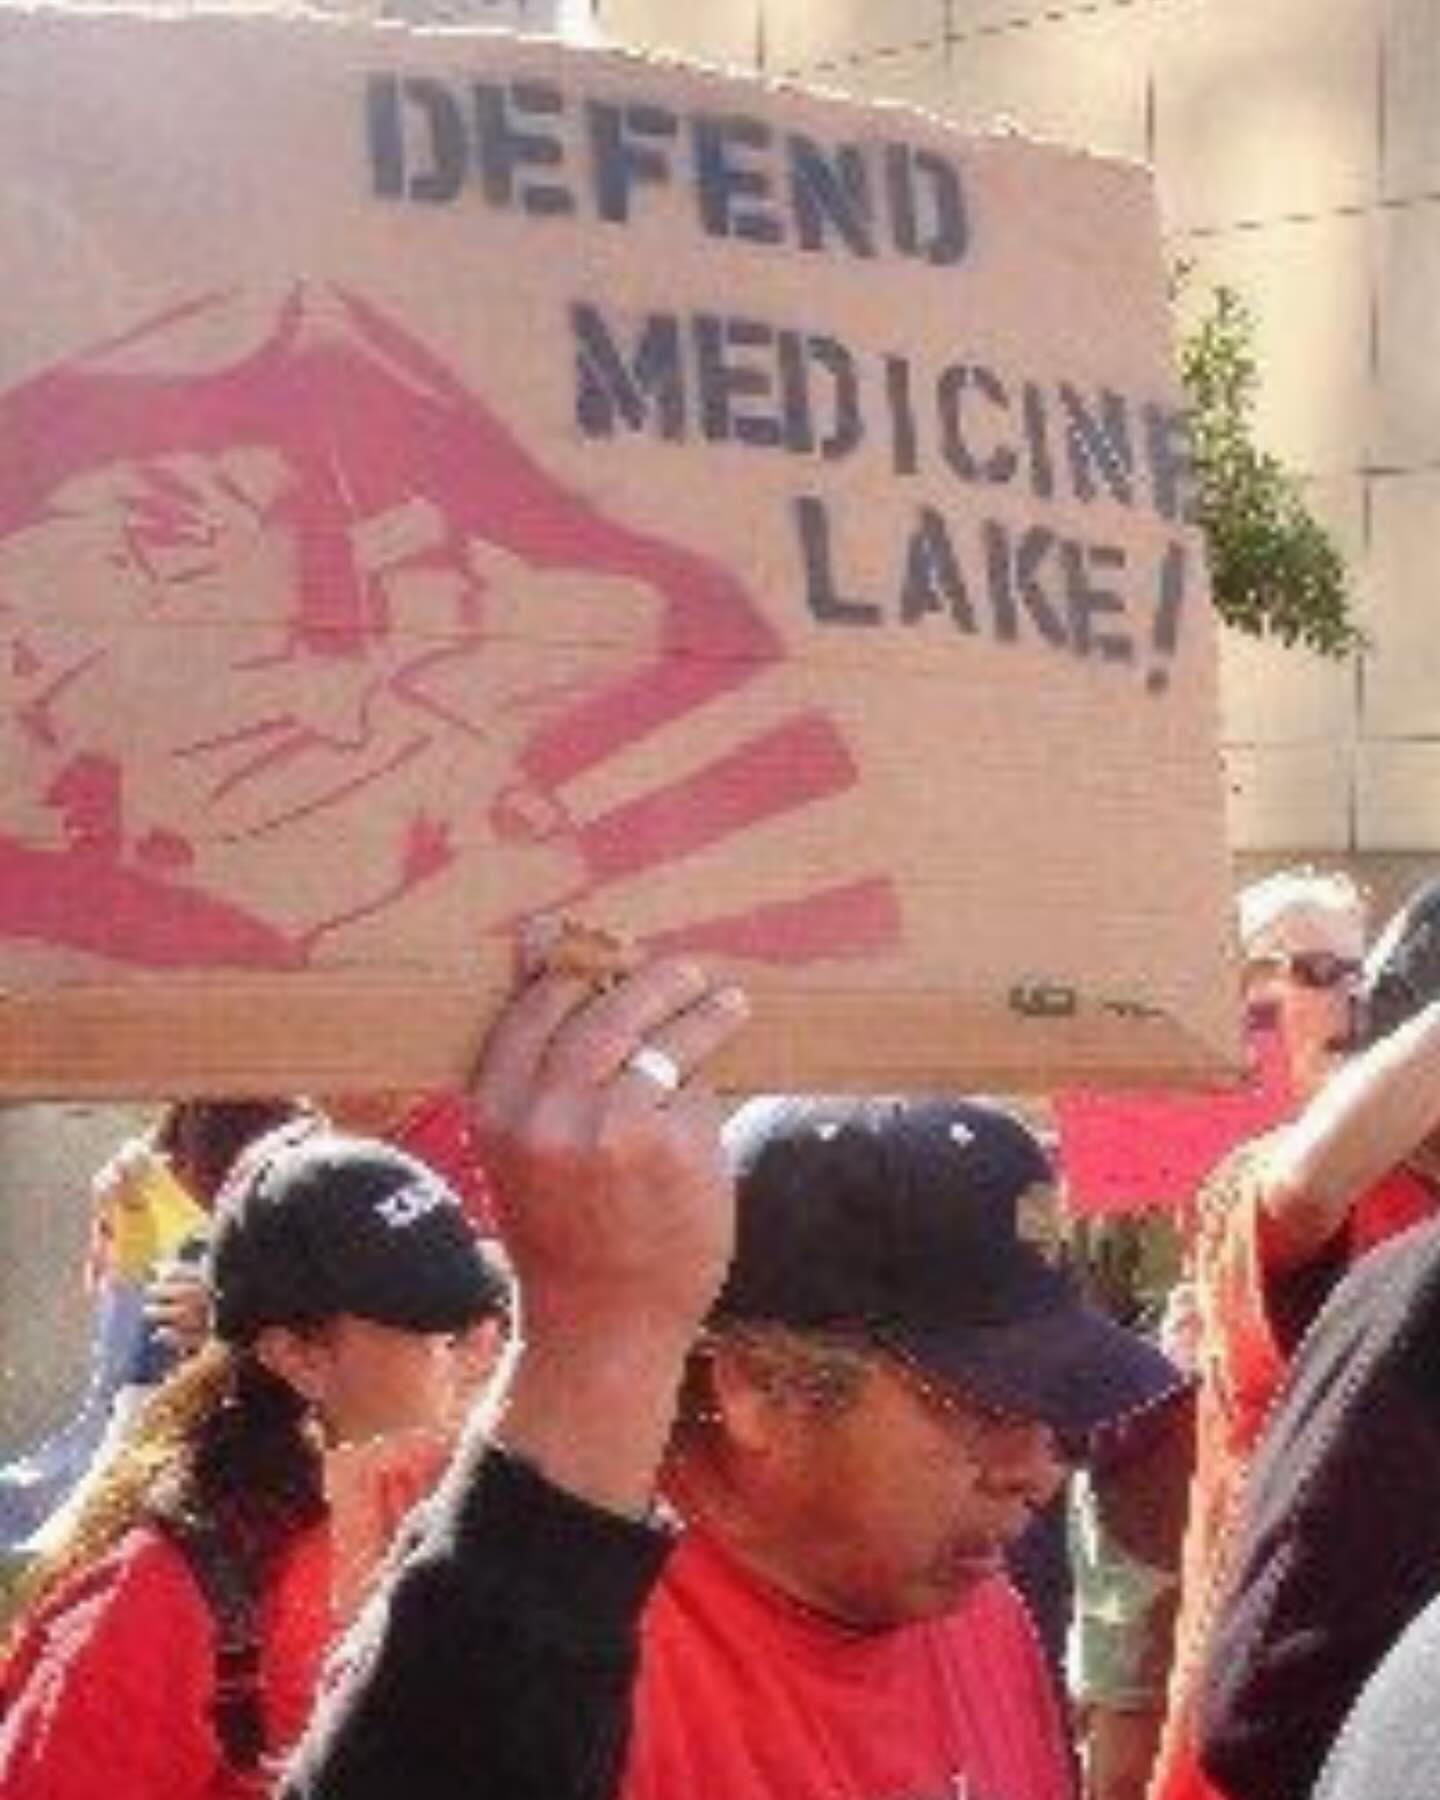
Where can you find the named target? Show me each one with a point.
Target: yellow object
(147, 1214)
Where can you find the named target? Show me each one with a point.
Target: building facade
(1296, 146)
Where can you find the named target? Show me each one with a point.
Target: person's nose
(1025, 1459)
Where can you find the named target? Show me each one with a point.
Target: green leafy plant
(1274, 568)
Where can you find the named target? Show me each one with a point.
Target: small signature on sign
(1048, 999)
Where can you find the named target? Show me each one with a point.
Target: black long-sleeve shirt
(1339, 1542)
(499, 1662)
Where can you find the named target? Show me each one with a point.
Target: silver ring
(656, 1066)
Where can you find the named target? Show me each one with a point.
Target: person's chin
(973, 1569)
(965, 1567)
(929, 1594)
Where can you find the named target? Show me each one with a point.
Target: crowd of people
(694, 1454)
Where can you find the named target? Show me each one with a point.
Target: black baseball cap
(314, 1226)
(1402, 971)
(903, 1219)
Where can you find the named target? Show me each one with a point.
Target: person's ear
(297, 1358)
(747, 1411)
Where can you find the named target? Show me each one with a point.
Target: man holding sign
(888, 1388)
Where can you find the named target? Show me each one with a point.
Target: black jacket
(500, 1663)
(1390, 1747)
(1339, 1543)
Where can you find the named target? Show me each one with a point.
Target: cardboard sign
(446, 478)
(570, 19)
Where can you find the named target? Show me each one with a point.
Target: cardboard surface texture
(446, 478)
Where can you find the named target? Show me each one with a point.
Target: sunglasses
(1320, 970)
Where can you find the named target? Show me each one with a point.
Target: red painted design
(288, 698)
(801, 760)
(73, 897)
(165, 850)
(854, 919)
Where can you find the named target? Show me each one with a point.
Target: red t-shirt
(109, 1690)
(1250, 1319)
(746, 1695)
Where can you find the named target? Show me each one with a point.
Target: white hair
(1265, 905)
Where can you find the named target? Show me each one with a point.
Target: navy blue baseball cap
(315, 1225)
(1402, 971)
(905, 1220)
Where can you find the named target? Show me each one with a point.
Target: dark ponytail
(223, 1442)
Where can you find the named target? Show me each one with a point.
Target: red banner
(1123, 1152)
